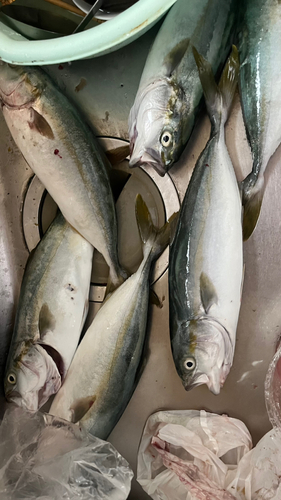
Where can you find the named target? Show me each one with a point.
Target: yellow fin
(207, 292)
(80, 407)
(174, 57)
(251, 214)
(39, 123)
(46, 320)
(145, 224)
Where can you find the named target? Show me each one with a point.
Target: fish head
(156, 126)
(31, 377)
(205, 357)
(18, 86)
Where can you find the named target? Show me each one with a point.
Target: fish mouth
(147, 159)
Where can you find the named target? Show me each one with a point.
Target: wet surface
(105, 100)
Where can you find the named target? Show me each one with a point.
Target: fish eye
(189, 364)
(11, 378)
(166, 138)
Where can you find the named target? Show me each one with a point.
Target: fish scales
(102, 375)
(170, 92)
(51, 312)
(64, 154)
(206, 259)
(259, 39)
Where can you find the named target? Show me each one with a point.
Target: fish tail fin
(115, 280)
(252, 191)
(154, 240)
(218, 97)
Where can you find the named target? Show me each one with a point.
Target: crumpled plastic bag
(195, 455)
(272, 388)
(46, 458)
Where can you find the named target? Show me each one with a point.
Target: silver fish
(206, 259)
(52, 309)
(64, 154)
(260, 74)
(101, 378)
(167, 101)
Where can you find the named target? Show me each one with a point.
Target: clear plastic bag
(46, 458)
(273, 390)
(195, 455)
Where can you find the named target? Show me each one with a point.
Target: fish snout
(144, 158)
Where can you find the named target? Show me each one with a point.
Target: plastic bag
(273, 390)
(192, 455)
(46, 458)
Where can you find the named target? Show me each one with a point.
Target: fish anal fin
(174, 57)
(46, 320)
(80, 407)
(252, 208)
(39, 123)
(207, 292)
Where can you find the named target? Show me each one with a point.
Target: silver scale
(26, 210)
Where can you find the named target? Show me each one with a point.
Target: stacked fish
(206, 265)
(93, 381)
(53, 302)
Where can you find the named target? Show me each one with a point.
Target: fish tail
(252, 190)
(115, 279)
(218, 97)
(154, 240)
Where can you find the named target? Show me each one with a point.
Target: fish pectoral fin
(154, 299)
(39, 123)
(207, 292)
(80, 407)
(252, 208)
(174, 57)
(46, 320)
(118, 155)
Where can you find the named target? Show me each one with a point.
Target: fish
(65, 155)
(206, 257)
(52, 309)
(102, 376)
(260, 95)
(167, 101)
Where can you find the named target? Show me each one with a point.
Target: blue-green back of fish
(260, 74)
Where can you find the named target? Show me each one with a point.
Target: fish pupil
(189, 364)
(12, 379)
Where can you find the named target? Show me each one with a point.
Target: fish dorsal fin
(207, 292)
(80, 407)
(46, 320)
(174, 57)
(152, 238)
(39, 123)
(145, 224)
